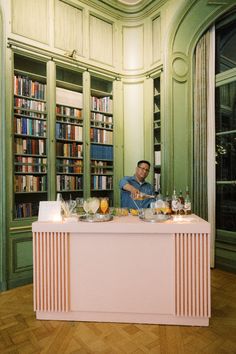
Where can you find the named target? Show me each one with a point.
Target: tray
(96, 218)
(156, 218)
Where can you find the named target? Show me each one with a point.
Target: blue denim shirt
(126, 199)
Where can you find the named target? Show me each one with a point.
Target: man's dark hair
(143, 161)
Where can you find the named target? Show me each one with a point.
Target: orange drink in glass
(104, 205)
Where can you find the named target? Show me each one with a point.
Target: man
(133, 188)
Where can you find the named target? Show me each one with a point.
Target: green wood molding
(118, 138)
(86, 115)
(51, 137)
(3, 234)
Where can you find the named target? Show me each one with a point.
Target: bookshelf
(157, 132)
(69, 133)
(71, 153)
(101, 138)
(29, 136)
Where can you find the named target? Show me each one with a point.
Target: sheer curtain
(204, 132)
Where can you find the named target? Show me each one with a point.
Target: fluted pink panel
(192, 266)
(51, 271)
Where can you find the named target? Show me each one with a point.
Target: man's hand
(135, 193)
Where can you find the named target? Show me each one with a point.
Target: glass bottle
(174, 203)
(168, 199)
(181, 203)
(187, 203)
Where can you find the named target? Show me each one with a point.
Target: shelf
(33, 75)
(28, 136)
(100, 94)
(105, 113)
(31, 192)
(68, 122)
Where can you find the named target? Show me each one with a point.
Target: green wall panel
(181, 144)
(23, 254)
(20, 259)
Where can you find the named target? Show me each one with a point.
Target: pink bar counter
(124, 270)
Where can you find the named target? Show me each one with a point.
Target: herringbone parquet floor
(21, 333)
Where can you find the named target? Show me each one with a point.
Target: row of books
(69, 166)
(101, 182)
(102, 167)
(30, 126)
(103, 104)
(101, 152)
(30, 146)
(28, 164)
(67, 131)
(29, 104)
(24, 210)
(69, 111)
(69, 149)
(102, 118)
(30, 183)
(102, 136)
(25, 86)
(69, 183)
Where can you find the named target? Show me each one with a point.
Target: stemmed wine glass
(86, 207)
(91, 206)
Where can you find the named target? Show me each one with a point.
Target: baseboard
(225, 265)
(19, 282)
(3, 286)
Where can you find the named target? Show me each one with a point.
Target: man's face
(142, 171)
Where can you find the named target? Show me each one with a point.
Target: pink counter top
(128, 224)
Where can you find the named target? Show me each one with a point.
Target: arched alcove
(191, 21)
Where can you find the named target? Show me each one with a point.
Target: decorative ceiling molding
(126, 8)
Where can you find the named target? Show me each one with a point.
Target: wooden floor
(20, 332)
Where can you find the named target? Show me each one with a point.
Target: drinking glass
(86, 207)
(79, 205)
(94, 205)
(104, 205)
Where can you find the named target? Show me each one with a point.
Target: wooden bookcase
(101, 138)
(157, 132)
(62, 141)
(29, 136)
(69, 133)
